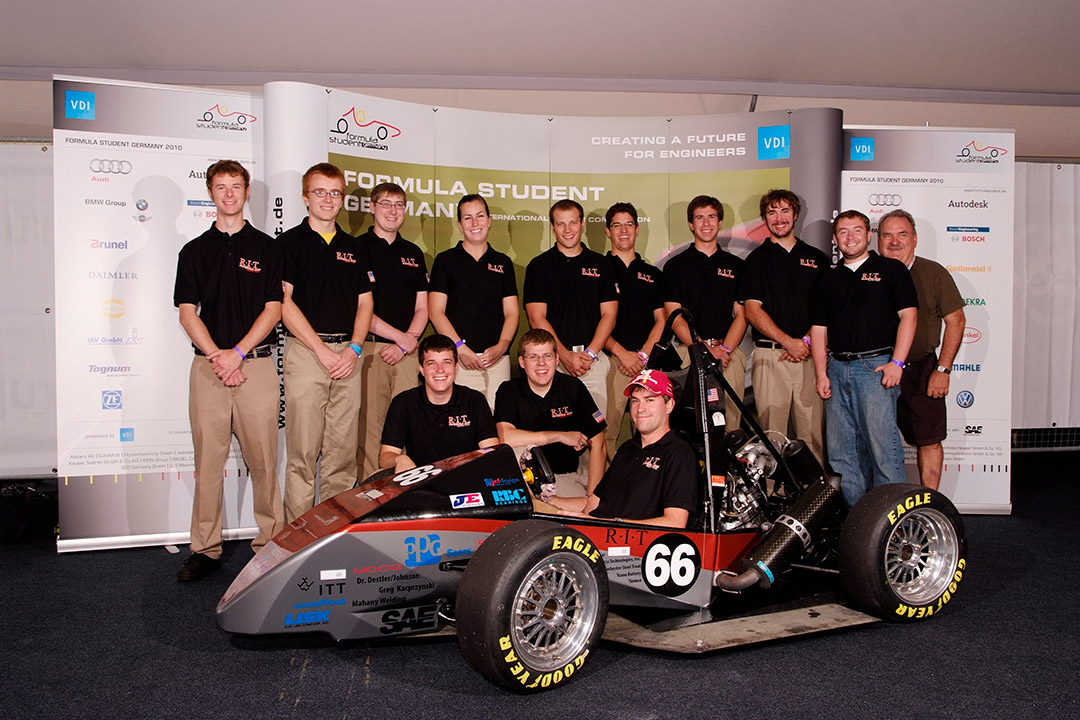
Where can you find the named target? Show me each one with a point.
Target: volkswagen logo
(965, 398)
(885, 200)
(110, 167)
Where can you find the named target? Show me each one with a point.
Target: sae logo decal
(78, 105)
(862, 149)
(774, 142)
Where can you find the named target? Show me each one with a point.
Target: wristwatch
(942, 369)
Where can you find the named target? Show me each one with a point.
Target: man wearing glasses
(555, 411)
(327, 313)
(399, 276)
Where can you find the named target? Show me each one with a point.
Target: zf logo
(410, 620)
(112, 399)
(671, 565)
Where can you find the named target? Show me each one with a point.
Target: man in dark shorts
(555, 411)
(653, 478)
(438, 419)
(862, 315)
(920, 411)
(228, 290)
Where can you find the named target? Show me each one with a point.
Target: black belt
(329, 337)
(259, 352)
(372, 337)
(768, 344)
(848, 357)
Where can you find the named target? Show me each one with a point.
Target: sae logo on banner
(79, 105)
(774, 143)
(862, 148)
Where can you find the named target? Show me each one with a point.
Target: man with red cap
(653, 478)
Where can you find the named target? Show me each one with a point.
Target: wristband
(725, 347)
(356, 349)
(402, 350)
(806, 339)
(589, 352)
(459, 343)
(241, 353)
(643, 356)
(898, 363)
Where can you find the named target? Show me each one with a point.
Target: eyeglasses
(533, 357)
(387, 205)
(320, 193)
(620, 226)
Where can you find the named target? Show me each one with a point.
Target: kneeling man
(438, 419)
(653, 478)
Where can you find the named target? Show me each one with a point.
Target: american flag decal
(713, 395)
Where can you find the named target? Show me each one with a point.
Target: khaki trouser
(485, 381)
(216, 411)
(595, 380)
(381, 382)
(787, 389)
(322, 418)
(616, 408)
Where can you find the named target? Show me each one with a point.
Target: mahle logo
(79, 105)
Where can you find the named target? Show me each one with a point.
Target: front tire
(531, 605)
(903, 552)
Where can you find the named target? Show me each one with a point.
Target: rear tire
(903, 552)
(531, 605)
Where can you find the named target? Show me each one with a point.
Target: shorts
(921, 418)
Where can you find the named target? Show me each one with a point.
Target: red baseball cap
(655, 381)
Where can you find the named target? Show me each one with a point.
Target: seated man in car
(653, 477)
(438, 419)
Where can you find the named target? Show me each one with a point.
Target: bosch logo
(110, 167)
(885, 200)
(965, 398)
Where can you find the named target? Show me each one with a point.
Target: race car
(466, 542)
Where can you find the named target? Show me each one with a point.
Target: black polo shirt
(474, 292)
(639, 296)
(567, 406)
(706, 285)
(398, 272)
(230, 278)
(429, 432)
(781, 280)
(860, 308)
(326, 278)
(642, 481)
(573, 288)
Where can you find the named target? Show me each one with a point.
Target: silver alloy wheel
(555, 610)
(920, 556)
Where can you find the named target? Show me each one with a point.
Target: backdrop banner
(959, 186)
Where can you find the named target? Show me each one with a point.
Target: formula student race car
(467, 542)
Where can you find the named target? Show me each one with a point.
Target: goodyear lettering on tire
(925, 611)
(543, 680)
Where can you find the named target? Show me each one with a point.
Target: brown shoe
(197, 567)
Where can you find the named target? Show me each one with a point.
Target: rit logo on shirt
(653, 463)
(346, 257)
(871, 277)
(806, 262)
(250, 265)
(590, 272)
(725, 273)
(643, 277)
(561, 412)
(459, 421)
(495, 268)
(409, 262)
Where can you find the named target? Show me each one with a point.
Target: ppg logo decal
(671, 565)
(79, 105)
(423, 550)
(774, 143)
(112, 399)
(862, 149)
(965, 398)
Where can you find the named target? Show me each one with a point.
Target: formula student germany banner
(130, 190)
(958, 185)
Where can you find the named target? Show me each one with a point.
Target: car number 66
(671, 565)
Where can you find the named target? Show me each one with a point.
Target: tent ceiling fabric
(1010, 52)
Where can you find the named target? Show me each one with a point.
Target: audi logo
(110, 167)
(885, 200)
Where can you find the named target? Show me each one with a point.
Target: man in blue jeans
(863, 316)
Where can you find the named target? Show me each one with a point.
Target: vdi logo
(862, 149)
(774, 142)
(79, 105)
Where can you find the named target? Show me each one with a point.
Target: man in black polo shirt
(399, 276)
(704, 279)
(775, 291)
(570, 292)
(228, 290)
(555, 411)
(438, 419)
(473, 301)
(862, 315)
(641, 314)
(653, 478)
(327, 313)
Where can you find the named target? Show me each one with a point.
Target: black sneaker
(197, 567)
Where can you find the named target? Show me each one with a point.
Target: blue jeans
(860, 428)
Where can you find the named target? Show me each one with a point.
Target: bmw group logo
(141, 204)
(965, 398)
(112, 399)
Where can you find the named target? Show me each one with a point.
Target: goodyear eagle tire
(531, 605)
(903, 552)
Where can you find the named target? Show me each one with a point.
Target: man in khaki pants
(327, 313)
(228, 290)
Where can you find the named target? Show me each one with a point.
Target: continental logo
(969, 268)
